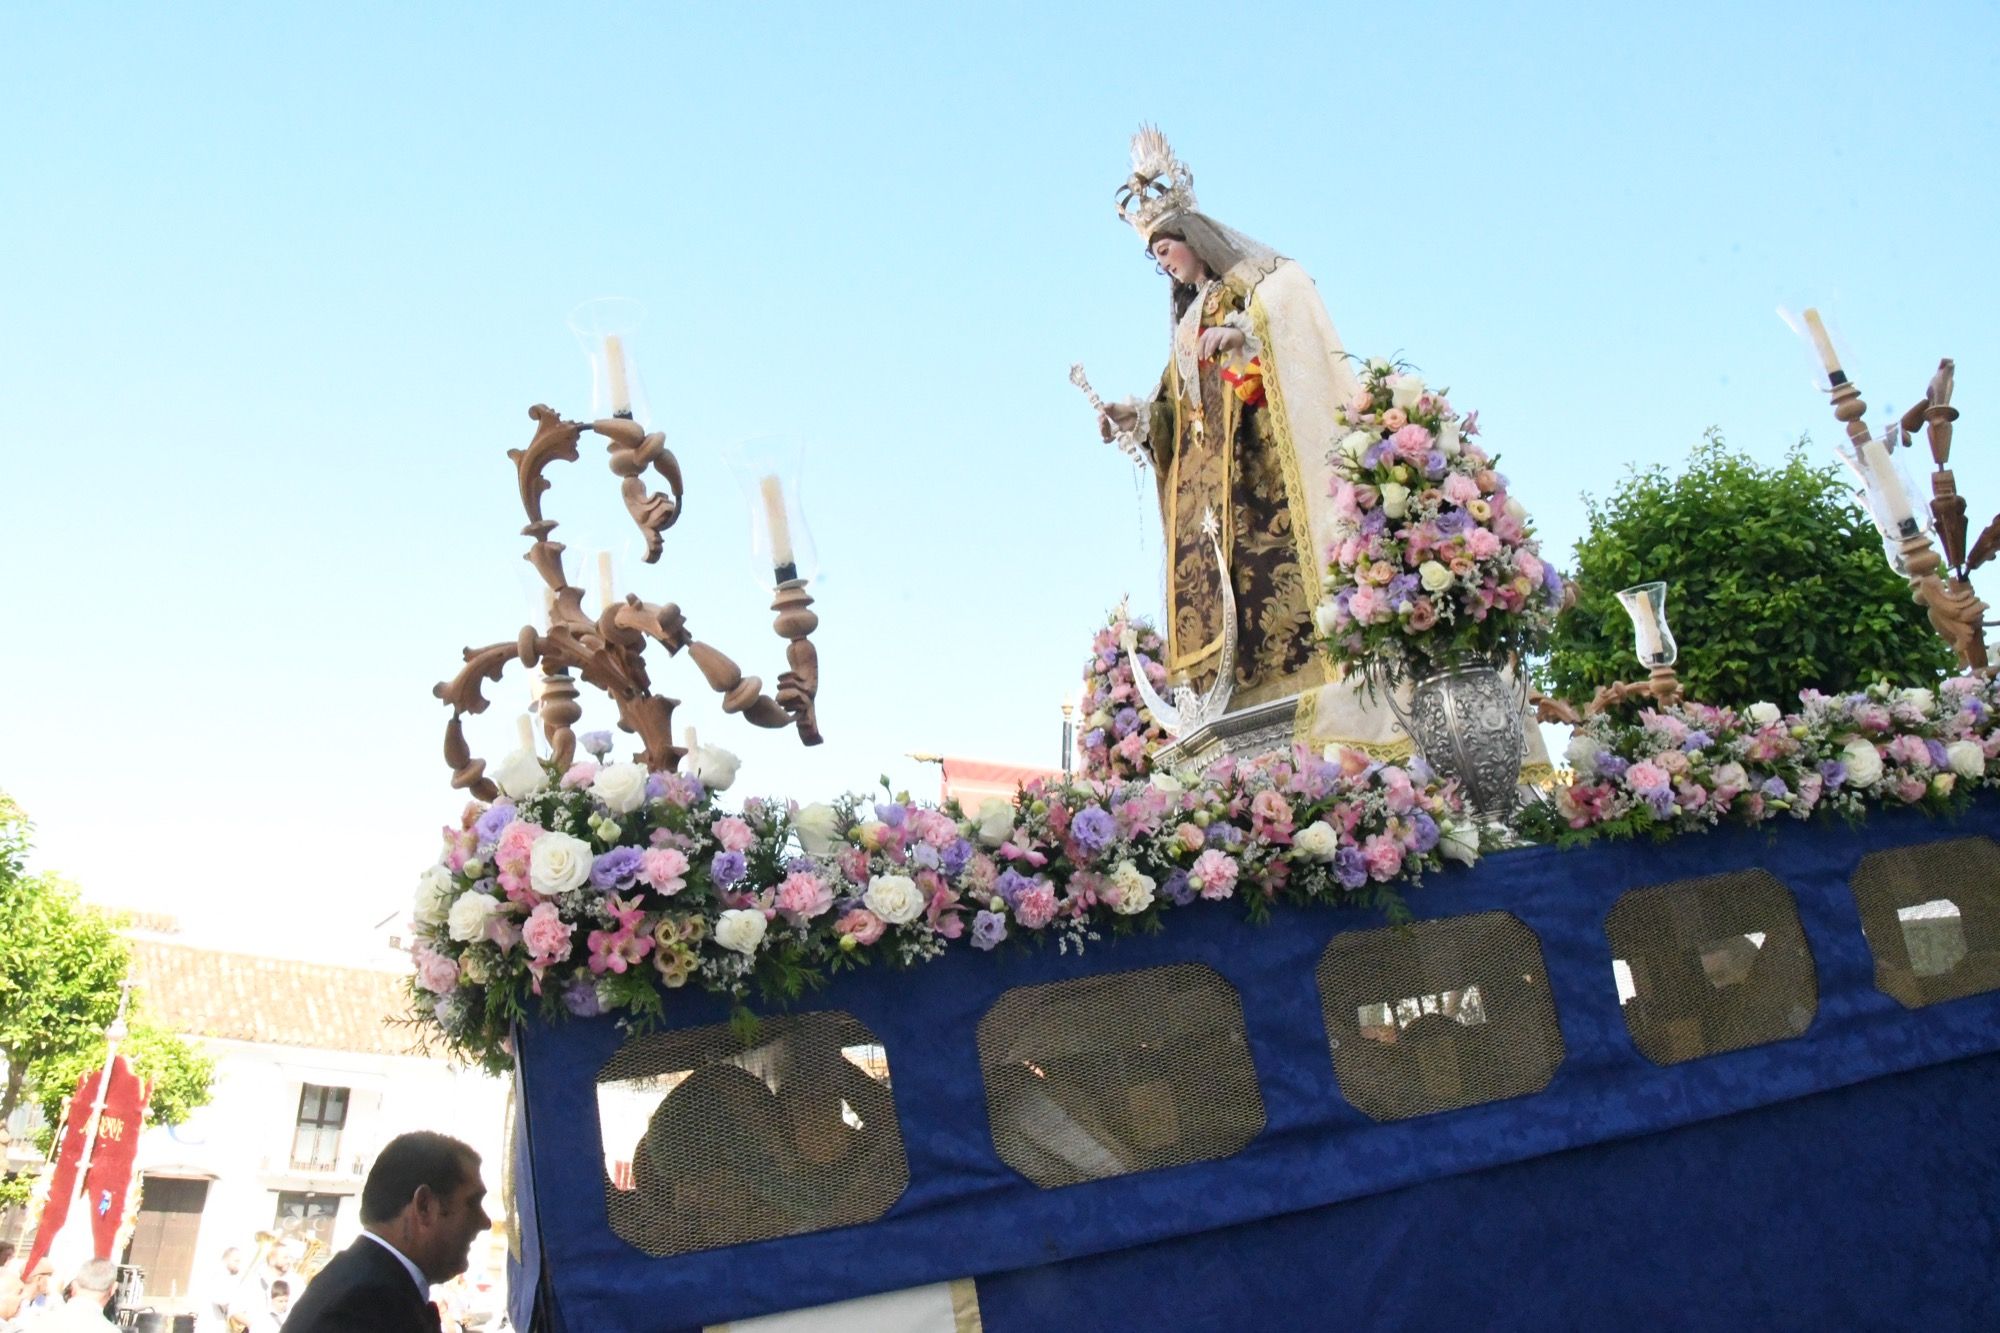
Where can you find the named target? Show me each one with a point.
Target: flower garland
(1119, 734)
(1691, 767)
(591, 890)
(1432, 559)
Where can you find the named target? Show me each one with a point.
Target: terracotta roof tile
(246, 997)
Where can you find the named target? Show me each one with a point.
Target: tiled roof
(246, 997)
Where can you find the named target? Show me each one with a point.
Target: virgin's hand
(1116, 419)
(1218, 340)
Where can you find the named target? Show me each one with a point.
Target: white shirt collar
(416, 1273)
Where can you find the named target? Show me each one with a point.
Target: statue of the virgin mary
(1241, 426)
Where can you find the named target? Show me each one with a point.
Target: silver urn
(1466, 720)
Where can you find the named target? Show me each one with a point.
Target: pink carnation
(1411, 443)
(517, 843)
(1460, 489)
(733, 834)
(1214, 874)
(804, 895)
(435, 972)
(1646, 776)
(664, 869)
(1383, 856)
(1036, 907)
(580, 774)
(1483, 543)
(547, 935)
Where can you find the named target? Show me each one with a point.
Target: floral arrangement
(1690, 767)
(598, 889)
(1432, 560)
(1119, 734)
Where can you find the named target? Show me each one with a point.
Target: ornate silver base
(1244, 734)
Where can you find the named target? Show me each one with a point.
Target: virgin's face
(1180, 261)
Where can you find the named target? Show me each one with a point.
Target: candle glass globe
(768, 469)
(1654, 642)
(605, 327)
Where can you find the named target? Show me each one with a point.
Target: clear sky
(278, 284)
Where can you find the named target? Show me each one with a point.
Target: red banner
(110, 1178)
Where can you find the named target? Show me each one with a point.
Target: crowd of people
(422, 1206)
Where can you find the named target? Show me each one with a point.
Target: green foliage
(1776, 582)
(60, 965)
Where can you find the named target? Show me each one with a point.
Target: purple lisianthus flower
(925, 856)
(1374, 521)
(1350, 868)
(891, 813)
(955, 858)
(597, 743)
(1453, 522)
(1610, 765)
(800, 863)
(1775, 789)
(617, 868)
(1176, 890)
(1094, 739)
(580, 998)
(1010, 884)
(656, 786)
(1372, 456)
(1940, 760)
(1435, 465)
(1125, 723)
(727, 868)
(497, 817)
(1093, 829)
(988, 929)
(1697, 741)
(1227, 834)
(1424, 832)
(1833, 773)
(1660, 801)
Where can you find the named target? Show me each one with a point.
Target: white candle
(1650, 647)
(526, 727)
(688, 743)
(1895, 500)
(774, 514)
(604, 581)
(614, 369)
(1822, 343)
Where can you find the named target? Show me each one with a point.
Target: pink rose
(1395, 419)
(1036, 907)
(733, 834)
(804, 896)
(1214, 873)
(664, 869)
(1362, 404)
(1191, 836)
(1383, 855)
(1423, 614)
(547, 935)
(862, 924)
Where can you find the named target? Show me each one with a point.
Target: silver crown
(1160, 187)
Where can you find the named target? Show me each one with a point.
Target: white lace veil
(1237, 259)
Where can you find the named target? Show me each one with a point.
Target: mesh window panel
(1438, 1015)
(1711, 965)
(707, 1143)
(1104, 1076)
(1932, 918)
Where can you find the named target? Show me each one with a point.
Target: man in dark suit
(421, 1207)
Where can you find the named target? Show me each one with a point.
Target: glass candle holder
(781, 544)
(605, 328)
(1653, 640)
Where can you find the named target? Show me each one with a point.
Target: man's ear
(425, 1201)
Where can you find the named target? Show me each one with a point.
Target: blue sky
(280, 284)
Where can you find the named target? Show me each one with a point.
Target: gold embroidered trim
(965, 1316)
(1313, 577)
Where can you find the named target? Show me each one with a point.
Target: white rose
(1404, 390)
(1459, 842)
(894, 898)
(1582, 754)
(996, 821)
(1317, 840)
(1863, 764)
(1435, 577)
(1448, 438)
(520, 774)
(1967, 759)
(470, 912)
(1516, 510)
(1354, 444)
(715, 766)
(434, 890)
(473, 968)
(558, 864)
(1168, 783)
(741, 929)
(1922, 702)
(1325, 619)
(1763, 714)
(1098, 719)
(622, 787)
(1395, 499)
(1135, 889)
(818, 828)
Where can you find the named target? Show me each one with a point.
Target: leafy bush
(1776, 581)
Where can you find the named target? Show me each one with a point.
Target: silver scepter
(1123, 439)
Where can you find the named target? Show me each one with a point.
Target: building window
(316, 1140)
(304, 1219)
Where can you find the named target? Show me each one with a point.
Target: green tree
(60, 965)
(1776, 582)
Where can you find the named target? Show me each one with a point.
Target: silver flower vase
(1467, 721)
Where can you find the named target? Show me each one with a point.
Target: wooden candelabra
(608, 651)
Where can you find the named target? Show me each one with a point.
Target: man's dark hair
(409, 1160)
